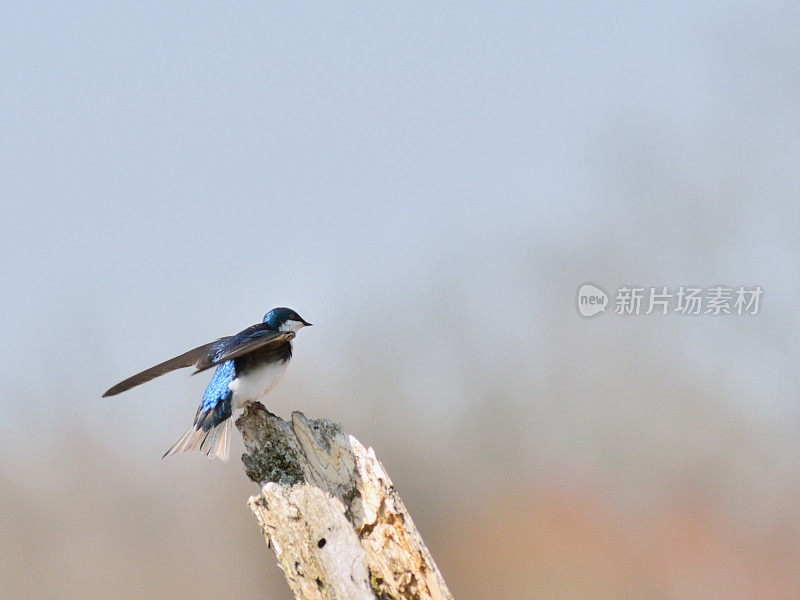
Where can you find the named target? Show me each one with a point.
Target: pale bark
(331, 514)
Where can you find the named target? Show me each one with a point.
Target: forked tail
(214, 442)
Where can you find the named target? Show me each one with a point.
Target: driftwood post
(331, 514)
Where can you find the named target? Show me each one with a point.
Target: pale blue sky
(173, 170)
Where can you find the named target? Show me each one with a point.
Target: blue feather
(216, 405)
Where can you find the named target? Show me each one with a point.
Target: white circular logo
(592, 300)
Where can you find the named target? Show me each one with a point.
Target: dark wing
(187, 359)
(206, 356)
(245, 342)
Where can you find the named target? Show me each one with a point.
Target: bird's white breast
(258, 381)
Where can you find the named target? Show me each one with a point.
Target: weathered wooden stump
(331, 514)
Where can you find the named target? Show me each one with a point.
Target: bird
(249, 365)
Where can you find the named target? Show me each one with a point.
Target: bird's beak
(307, 324)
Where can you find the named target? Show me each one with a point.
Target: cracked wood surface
(330, 512)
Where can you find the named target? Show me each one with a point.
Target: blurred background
(428, 185)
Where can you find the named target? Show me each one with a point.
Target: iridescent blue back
(216, 405)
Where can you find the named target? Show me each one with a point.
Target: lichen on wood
(331, 514)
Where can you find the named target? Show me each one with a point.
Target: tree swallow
(249, 364)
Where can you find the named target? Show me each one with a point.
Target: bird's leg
(256, 406)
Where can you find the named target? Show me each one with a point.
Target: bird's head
(285, 319)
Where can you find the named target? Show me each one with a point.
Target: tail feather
(214, 442)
